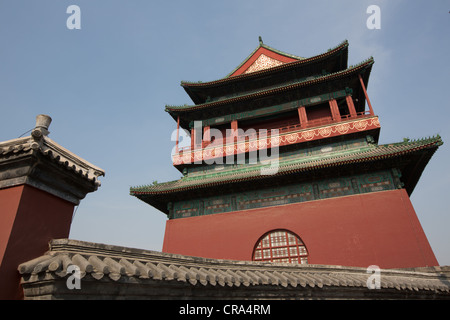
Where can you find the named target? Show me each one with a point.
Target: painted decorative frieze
(263, 62)
(281, 139)
(295, 193)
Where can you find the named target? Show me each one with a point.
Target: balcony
(251, 141)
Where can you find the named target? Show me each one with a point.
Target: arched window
(280, 246)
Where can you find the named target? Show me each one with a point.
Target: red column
(234, 129)
(365, 93)
(335, 110)
(302, 116)
(234, 125)
(351, 106)
(192, 138)
(206, 134)
(178, 134)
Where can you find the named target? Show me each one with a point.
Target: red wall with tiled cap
(29, 219)
(379, 228)
(40, 183)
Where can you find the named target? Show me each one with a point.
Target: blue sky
(106, 85)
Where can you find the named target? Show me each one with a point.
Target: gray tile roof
(38, 161)
(26, 146)
(112, 264)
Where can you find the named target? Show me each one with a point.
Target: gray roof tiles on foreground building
(113, 272)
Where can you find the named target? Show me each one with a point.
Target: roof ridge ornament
(42, 123)
(40, 130)
(260, 41)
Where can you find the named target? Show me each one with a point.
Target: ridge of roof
(301, 60)
(262, 45)
(303, 82)
(288, 166)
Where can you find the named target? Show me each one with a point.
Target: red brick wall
(29, 219)
(379, 228)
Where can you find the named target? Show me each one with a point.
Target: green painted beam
(274, 109)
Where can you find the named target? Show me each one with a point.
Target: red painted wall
(29, 219)
(318, 112)
(379, 228)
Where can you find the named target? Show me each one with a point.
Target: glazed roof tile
(253, 172)
(99, 262)
(264, 92)
(301, 61)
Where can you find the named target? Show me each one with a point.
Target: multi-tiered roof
(254, 88)
(316, 104)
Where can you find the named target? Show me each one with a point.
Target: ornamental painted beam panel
(267, 111)
(284, 137)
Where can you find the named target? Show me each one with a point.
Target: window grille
(280, 246)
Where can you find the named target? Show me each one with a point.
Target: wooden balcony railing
(281, 130)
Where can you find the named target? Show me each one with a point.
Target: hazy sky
(106, 85)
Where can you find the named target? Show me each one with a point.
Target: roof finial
(42, 123)
(260, 40)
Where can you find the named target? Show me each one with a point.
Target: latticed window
(280, 246)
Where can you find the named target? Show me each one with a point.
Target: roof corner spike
(260, 41)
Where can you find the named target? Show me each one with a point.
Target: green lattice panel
(332, 148)
(324, 189)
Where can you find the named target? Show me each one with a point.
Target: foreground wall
(30, 218)
(40, 184)
(112, 272)
(379, 228)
